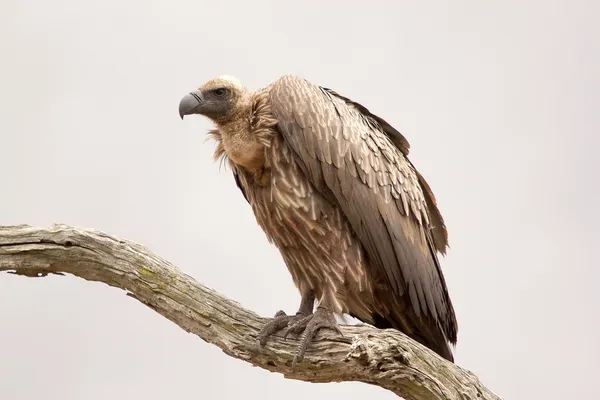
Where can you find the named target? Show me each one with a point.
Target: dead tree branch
(385, 358)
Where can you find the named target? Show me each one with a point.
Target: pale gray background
(498, 100)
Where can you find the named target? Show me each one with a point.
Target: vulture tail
(418, 328)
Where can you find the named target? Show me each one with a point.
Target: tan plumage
(332, 187)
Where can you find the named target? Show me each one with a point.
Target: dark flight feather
(358, 162)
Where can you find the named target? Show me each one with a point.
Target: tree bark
(386, 358)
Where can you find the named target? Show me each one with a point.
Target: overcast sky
(496, 98)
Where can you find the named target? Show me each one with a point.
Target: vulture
(331, 186)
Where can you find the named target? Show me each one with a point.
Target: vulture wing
(358, 161)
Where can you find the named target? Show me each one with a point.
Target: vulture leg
(308, 327)
(283, 320)
(304, 323)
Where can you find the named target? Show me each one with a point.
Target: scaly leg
(283, 320)
(305, 322)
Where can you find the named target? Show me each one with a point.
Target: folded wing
(358, 161)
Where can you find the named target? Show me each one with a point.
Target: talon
(338, 330)
(273, 326)
(294, 362)
(304, 323)
(279, 322)
(322, 318)
(297, 327)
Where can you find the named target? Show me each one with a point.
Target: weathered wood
(385, 358)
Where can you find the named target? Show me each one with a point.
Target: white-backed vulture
(331, 186)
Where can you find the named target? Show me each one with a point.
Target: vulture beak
(190, 103)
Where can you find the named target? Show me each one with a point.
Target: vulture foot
(280, 321)
(308, 327)
(283, 320)
(301, 324)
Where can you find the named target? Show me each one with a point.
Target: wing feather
(358, 161)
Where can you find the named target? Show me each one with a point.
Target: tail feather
(418, 328)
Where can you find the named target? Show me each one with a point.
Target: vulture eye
(220, 92)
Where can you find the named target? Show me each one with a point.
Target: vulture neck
(243, 141)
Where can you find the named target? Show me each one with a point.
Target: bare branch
(385, 358)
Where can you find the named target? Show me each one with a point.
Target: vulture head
(220, 99)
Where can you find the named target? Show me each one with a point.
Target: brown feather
(395, 233)
(354, 221)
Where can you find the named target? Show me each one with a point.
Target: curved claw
(275, 325)
(279, 322)
(322, 318)
(297, 327)
(305, 325)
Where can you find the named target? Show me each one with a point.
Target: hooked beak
(190, 103)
